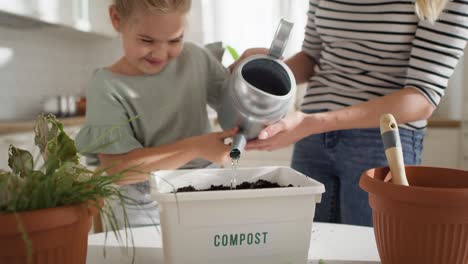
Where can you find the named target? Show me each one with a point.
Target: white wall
(464, 134)
(240, 24)
(451, 105)
(45, 61)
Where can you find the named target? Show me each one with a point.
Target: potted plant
(46, 212)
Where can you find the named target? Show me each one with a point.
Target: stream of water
(234, 163)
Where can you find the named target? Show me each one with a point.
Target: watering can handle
(281, 39)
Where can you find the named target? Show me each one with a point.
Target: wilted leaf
(55, 145)
(46, 131)
(20, 161)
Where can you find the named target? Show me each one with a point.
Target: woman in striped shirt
(361, 59)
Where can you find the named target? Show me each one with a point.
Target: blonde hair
(430, 9)
(126, 7)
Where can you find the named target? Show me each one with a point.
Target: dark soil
(260, 184)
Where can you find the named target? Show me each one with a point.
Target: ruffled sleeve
(94, 139)
(109, 127)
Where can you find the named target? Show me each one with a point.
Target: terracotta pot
(58, 235)
(426, 222)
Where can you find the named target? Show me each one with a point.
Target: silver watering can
(258, 92)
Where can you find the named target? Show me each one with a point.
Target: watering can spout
(238, 145)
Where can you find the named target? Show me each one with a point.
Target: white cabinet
(19, 7)
(99, 17)
(54, 12)
(442, 147)
(83, 15)
(92, 16)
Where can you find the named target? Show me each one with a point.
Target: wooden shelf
(27, 126)
(443, 123)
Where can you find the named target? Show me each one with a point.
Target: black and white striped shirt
(369, 48)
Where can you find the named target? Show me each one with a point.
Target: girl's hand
(285, 132)
(211, 146)
(246, 54)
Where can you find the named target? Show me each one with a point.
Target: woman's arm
(406, 105)
(302, 67)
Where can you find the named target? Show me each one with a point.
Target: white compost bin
(236, 226)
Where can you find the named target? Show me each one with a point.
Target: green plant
(61, 180)
(233, 52)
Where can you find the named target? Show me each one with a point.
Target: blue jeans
(337, 159)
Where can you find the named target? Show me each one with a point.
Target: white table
(336, 244)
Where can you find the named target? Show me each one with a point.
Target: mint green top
(128, 112)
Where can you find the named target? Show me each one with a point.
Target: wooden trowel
(393, 150)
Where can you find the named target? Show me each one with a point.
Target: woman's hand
(246, 54)
(211, 146)
(287, 131)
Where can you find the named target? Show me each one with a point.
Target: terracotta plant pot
(58, 235)
(426, 222)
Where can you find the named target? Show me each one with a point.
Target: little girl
(148, 111)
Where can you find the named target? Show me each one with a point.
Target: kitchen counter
(10, 127)
(334, 243)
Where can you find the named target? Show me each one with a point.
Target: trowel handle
(281, 39)
(393, 149)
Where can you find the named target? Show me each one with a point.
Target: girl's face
(150, 41)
